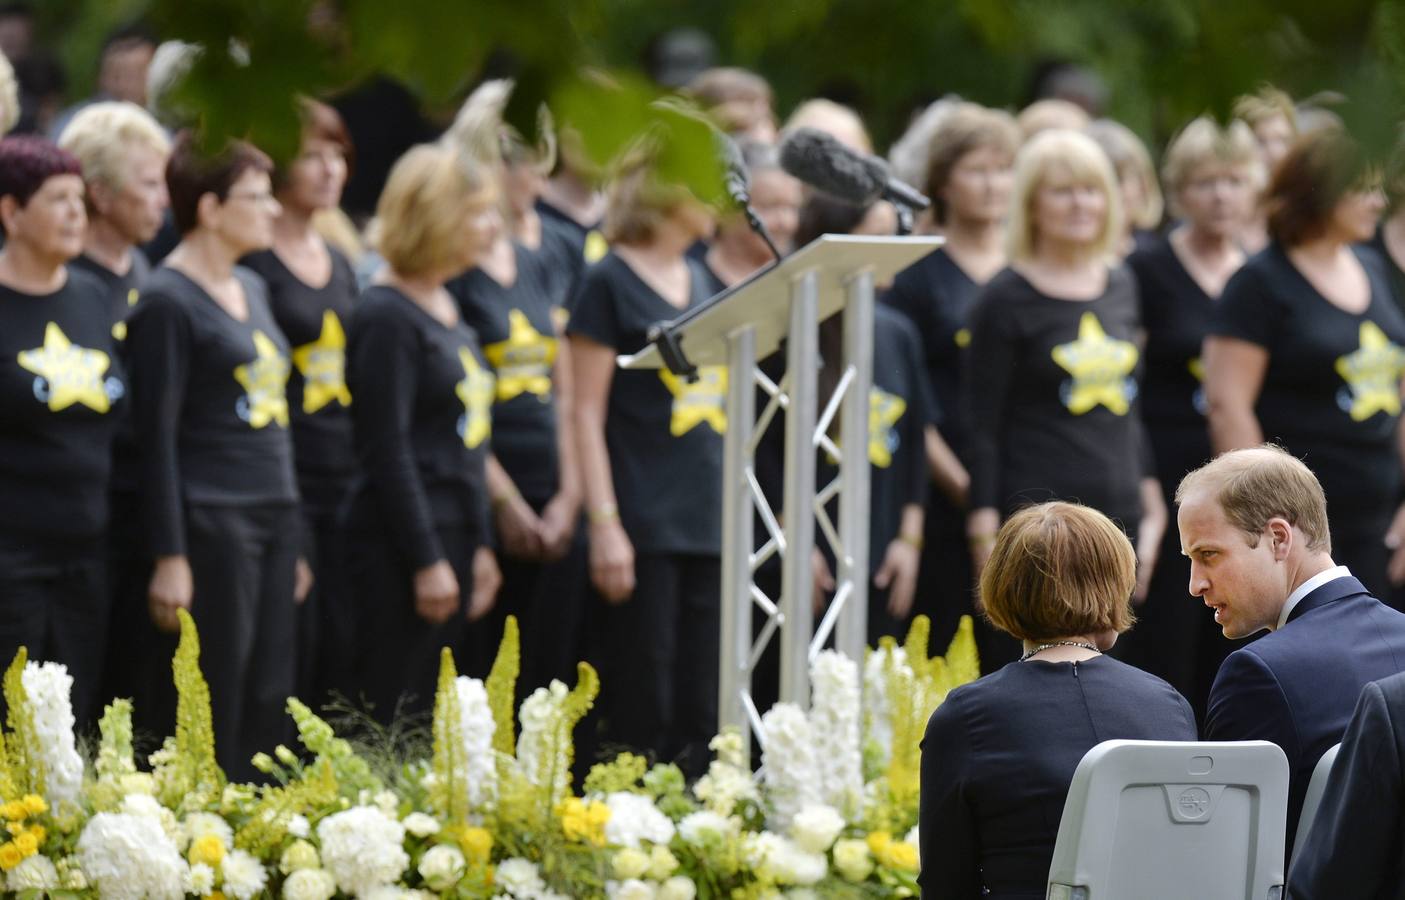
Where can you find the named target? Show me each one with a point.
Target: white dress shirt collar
(1307, 587)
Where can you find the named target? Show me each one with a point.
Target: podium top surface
(763, 300)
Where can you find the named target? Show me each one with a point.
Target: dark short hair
(823, 213)
(192, 173)
(321, 122)
(27, 161)
(128, 35)
(1321, 168)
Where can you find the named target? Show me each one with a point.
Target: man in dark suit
(1356, 849)
(1254, 524)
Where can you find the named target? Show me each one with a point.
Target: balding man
(1254, 524)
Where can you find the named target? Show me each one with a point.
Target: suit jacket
(1298, 685)
(1356, 850)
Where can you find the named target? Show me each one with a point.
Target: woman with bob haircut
(1053, 364)
(209, 368)
(651, 467)
(999, 753)
(1307, 350)
(1142, 203)
(62, 394)
(417, 525)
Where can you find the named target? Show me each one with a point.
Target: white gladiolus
(790, 764)
(48, 686)
(477, 727)
(834, 719)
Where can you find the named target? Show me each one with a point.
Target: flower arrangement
(491, 813)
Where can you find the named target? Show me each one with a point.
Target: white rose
(420, 825)
(34, 873)
(309, 884)
(442, 866)
(704, 826)
(630, 863)
(816, 826)
(519, 877)
(678, 887)
(632, 889)
(299, 827)
(662, 863)
(853, 860)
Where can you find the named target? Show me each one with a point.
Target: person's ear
(9, 208)
(1281, 535)
(207, 209)
(98, 196)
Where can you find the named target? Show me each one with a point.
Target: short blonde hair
(965, 128)
(1203, 141)
(420, 216)
(1051, 114)
(9, 96)
(1131, 161)
(637, 201)
(1268, 102)
(1058, 570)
(832, 118)
(480, 131)
(102, 135)
(1084, 161)
(1261, 483)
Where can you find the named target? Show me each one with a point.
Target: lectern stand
(786, 303)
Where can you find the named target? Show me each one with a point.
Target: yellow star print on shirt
(72, 374)
(475, 392)
(1372, 373)
(1100, 366)
(322, 364)
(884, 411)
(265, 380)
(523, 361)
(700, 401)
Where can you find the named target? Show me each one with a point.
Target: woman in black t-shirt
(417, 529)
(209, 368)
(1209, 177)
(970, 173)
(1307, 349)
(61, 391)
(651, 466)
(1053, 364)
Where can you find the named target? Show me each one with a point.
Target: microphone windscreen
(821, 161)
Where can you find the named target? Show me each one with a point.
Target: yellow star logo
(119, 331)
(475, 392)
(700, 401)
(1196, 367)
(322, 364)
(1372, 372)
(523, 361)
(595, 246)
(1101, 369)
(962, 338)
(264, 380)
(71, 374)
(884, 410)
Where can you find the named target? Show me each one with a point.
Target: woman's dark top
(664, 435)
(62, 392)
(569, 247)
(937, 296)
(208, 403)
(1331, 394)
(314, 321)
(422, 419)
(1176, 314)
(1052, 393)
(517, 327)
(122, 290)
(1392, 267)
(998, 758)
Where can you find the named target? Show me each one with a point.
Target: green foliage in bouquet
(24, 759)
(187, 774)
(449, 795)
(502, 686)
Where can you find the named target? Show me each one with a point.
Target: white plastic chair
(1169, 820)
(1316, 786)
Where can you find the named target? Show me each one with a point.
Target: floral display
(490, 812)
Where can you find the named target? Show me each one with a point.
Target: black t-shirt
(664, 435)
(571, 246)
(208, 402)
(1331, 394)
(314, 321)
(62, 393)
(1392, 268)
(937, 295)
(1052, 391)
(517, 327)
(422, 422)
(122, 290)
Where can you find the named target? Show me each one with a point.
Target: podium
(786, 302)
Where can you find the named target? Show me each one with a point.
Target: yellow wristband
(980, 540)
(607, 513)
(912, 540)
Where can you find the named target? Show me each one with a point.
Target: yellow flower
(14, 827)
(26, 844)
(477, 845)
(207, 849)
(585, 822)
(878, 841)
(215, 895)
(39, 833)
(34, 804)
(10, 856)
(14, 810)
(893, 854)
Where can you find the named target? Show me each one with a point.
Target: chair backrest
(1167, 820)
(1315, 787)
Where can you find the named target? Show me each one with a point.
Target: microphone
(735, 178)
(821, 161)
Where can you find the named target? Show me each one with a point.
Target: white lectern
(786, 302)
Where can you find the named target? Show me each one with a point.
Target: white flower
(200, 880)
(519, 877)
(801, 894)
(204, 824)
(148, 807)
(724, 786)
(442, 866)
(388, 803)
(477, 727)
(853, 860)
(778, 859)
(835, 720)
(298, 826)
(630, 862)
(309, 884)
(678, 887)
(662, 863)
(912, 837)
(131, 858)
(420, 825)
(538, 750)
(34, 873)
(48, 685)
(362, 849)
(815, 827)
(634, 817)
(244, 876)
(876, 705)
(706, 826)
(632, 889)
(299, 855)
(791, 770)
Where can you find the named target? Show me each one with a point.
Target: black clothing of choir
(122, 290)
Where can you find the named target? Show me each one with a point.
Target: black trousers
(396, 664)
(127, 664)
(660, 649)
(53, 601)
(242, 560)
(326, 620)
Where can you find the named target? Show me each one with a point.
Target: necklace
(1086, 645)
